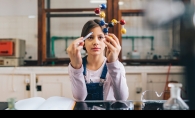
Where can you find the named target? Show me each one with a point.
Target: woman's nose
(95, 41)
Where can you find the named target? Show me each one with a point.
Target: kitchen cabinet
(156, 82)
(134, 82)
(53, 85)
(26, 82)
(13, 85)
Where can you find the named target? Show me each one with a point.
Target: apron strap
(84, 65)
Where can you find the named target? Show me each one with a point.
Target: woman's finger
(107, 51)
(109, 46)
(114, 38)
(111, 40)
(78, 41)
(80, 46)
(76, 46)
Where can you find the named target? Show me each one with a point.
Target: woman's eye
(90, 37)
(101, 37)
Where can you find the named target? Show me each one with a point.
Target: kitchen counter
(129, 69)
(106, 105)
(110, 105)
(118, 105)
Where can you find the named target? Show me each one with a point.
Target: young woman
(99, 75)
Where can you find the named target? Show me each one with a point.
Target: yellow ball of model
(123, 31)
(102, 15)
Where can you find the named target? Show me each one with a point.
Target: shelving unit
(44, 49)
(43, 34)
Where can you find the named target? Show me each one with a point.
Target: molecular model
(112, 23)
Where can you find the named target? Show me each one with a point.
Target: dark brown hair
(88, 26)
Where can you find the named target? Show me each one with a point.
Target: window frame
(112, 7)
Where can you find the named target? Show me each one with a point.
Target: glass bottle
(148, 55)
(11, 103)
(175, 102)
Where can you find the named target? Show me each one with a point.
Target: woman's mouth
(95, 49)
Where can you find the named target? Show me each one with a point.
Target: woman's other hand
(113, 47)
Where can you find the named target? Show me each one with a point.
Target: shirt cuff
(75, 71)
(113, 65)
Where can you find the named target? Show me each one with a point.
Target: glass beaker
(153, 99)
(175, 102)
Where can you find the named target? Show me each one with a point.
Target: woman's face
(94, 44)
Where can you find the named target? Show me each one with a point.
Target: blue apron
(94, 90)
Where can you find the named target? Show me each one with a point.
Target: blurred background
(159, 39)
(152, 37)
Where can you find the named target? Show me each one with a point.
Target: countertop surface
(109, 105)
(112, 105)
(129, 69)
(118, 105)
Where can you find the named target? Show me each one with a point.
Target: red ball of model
(97, 10)
(122, 22)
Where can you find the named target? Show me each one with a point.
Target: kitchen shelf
(151, 61)
(127, 62)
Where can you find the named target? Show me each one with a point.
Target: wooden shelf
(151, 61)
(129, 62)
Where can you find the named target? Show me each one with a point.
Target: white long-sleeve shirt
(114, 88)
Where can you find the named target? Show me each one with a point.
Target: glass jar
(11, 103)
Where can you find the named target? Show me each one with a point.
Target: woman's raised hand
(113, 47)
(74, 53)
